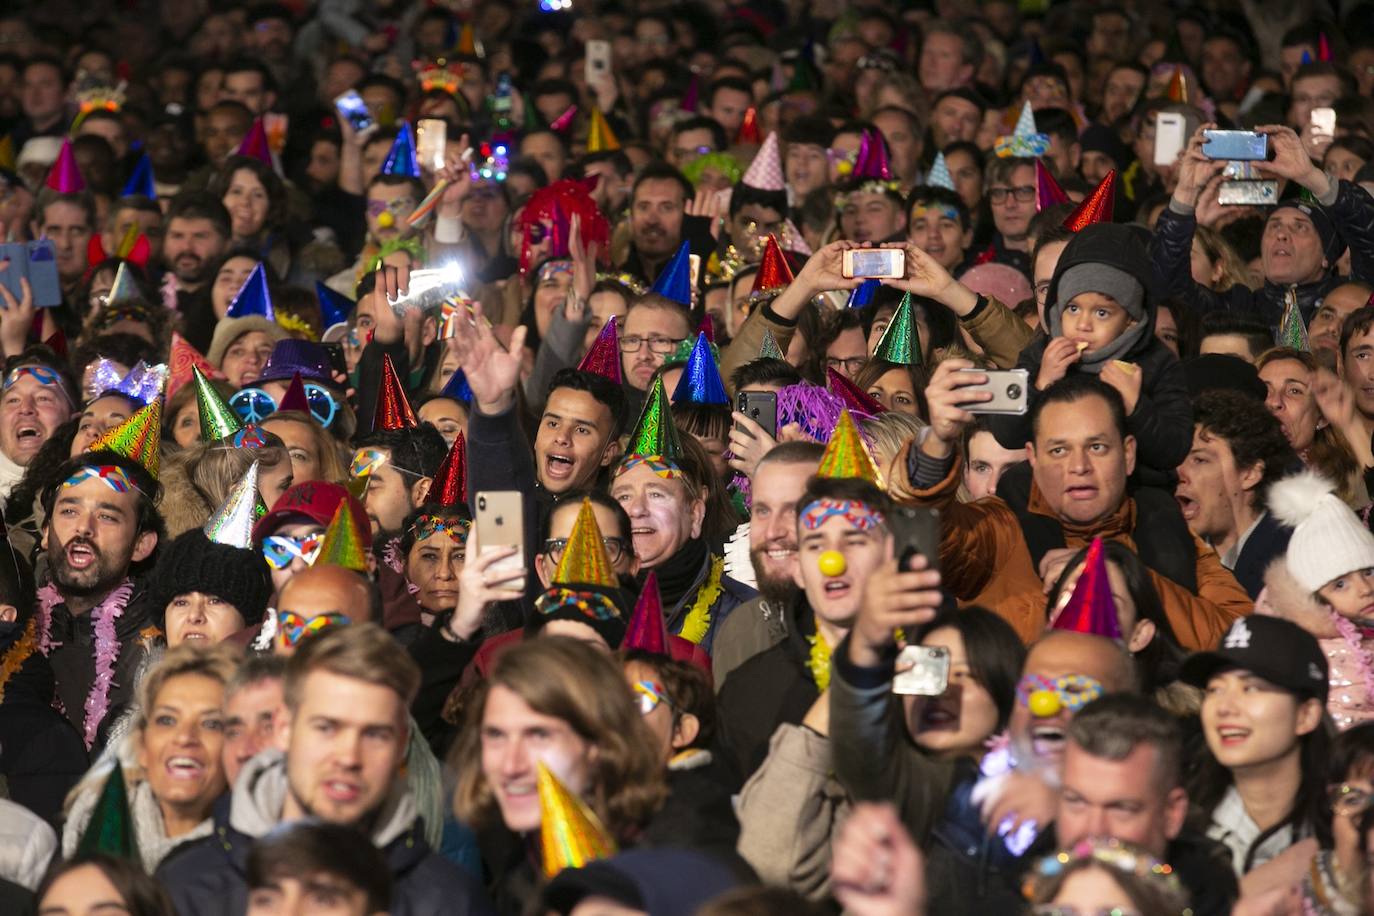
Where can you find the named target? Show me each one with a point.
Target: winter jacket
(998, 330)
(747, 343)
(27, 845)
(1267, 542)
(985, 558)
(209, 877)
(1350, 208)
(755, 626)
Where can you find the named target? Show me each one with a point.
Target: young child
(1325, 584)
(1101, 320)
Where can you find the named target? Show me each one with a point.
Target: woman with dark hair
(897, 387)
(256, 200)
(95, 883)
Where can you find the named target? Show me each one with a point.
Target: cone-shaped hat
(655, 436)
(232, 522)
(862, 294)
(1047, 190)
(900, 343)
(217, 419)
(647, 630)
(1025, 140)
(770, 348)
(603, 357)
(139, 438)
(334, 307)
(141, 179)
(700, 382)
(253, 298)
(450, 485)
(846, 455)
(65, 176)
(1292, 331)
(939, 176)
(393, 410)
(570, 835)
(111, 827)
(1091, 608)
(854, 397)
(600, 137)
(871, 164)
(343, 540)
(675, 282)
(457, 387)
(749, 129)
(773, 273)
(182, 360)
(124, 289)
(400, 159)
(255, 145)
(1097, 207)
(584, 560)
(765, 172)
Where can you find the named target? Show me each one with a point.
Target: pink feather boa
(103, 618)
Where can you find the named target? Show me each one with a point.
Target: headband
(369, 459)
(44, 375)
(592, 605)
(112, 475)
(292, 627)
(858, 514)
(657, 463)
(426, 526)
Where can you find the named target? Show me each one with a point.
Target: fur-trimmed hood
(183, 506)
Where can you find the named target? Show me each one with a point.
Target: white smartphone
(431, 136)
(597, 59)
(873, 262)
(501, 523)
(1170, 137)
(1324, 122)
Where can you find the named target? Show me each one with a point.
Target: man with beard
(659, 221)
(399, 465)
(196, 238)
(37, 398)
(102, 526)
(760, 623)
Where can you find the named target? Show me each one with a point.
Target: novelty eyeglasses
(280, 549)
(648, 694)
(253, 405)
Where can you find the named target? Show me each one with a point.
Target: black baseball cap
(1281, 652)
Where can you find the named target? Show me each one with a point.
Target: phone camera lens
(482, 503)
(1013, 391)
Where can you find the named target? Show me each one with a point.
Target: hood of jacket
(1116, 246)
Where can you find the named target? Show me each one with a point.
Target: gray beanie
(1096, 277)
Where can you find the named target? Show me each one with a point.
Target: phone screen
(352, 107)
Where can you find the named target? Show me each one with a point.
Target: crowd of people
(719, 458)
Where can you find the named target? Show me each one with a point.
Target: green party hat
(111, 827)
(655, 436)
(770, 348)
(139, 438)
(1292, 332)
(217, 418)
(584, 560)
(900, 343)
(342, 544)
(846, 454)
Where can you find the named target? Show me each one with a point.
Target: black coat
(1268, 541)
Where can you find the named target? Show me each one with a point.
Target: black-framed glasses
(656, 344)
(615, 548)
(1025, 194)
(851, 366)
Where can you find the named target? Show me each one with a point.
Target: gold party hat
(570, 833)
(846, 454)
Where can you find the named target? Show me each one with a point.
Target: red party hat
(773, 274)
(393, 410)
(65, 177)
(854, 397)
(689, 97)
(647, 631)
(295, 398)
(57, 342)
(603, 357)
(1097, 207)
(450, 484)
(1178, 86)
(708, 327)
(1047, 190)
(1091, 608)
(1323, 48)
(182, 360)
(255, 145)
(749, 129)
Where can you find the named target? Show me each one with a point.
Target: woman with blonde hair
(197, 480)
(315, 454)
(1215, 263)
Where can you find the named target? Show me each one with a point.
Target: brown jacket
(745, 347)
(1000, 332)
(985, 561)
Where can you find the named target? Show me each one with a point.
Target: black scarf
(678, 573)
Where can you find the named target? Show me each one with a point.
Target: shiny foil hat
(1048, 193)
(769, 349)
(655, 436)
(1091, 609)
(854, 397)
(217, 418)
(675, 282)
(141, 179)
(862, 294)
(294, 398)
(139, 438)
(335, 307)
(570, 835)
(450, 484)
(773, 274)
(1292, 331)
(182, 359)
(846, 454)
(600, 137)
(647, 630)
(232, 523)
(343, 541)
(700, 382)
(584, 560)
(253, 298)
(900, 344)
(749, 128)
(65, 176)
(603, 357)
(393, 410)
(429, 289)
(400, 159)
(1097, 207)
(123, 289)
(871, 163)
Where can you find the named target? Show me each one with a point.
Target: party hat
(232, 523)
(468, 45)
(294, 398)
(253, 298)
(134, 246)
(803, 75)
(255, 145)
(900, 343)
(123, 289)
(862, 294)
(1091, 608)
(647, 630)
(1292, 331)
(655, 436)
(690, 95)
(603, 357)
(1323, 48)
(570, 834)
(141, 179)
(400, 159)
(1178, 86)
(846, 454)
(749, 129)
(393, 410)
(793, 240)
(700, 382)
(450, 484)
(181, 360)
(773, 273)
(217, 419)
(853, 397)
(770, 348)
(457, 387)
(139, 438)
(707, 326)
(335, 307)
(584, 560)
(65, 177)
(939, 176)
(343, 541)
(600, 137)
(871, 164)
(111, 827)
(675, 282)
(1048, 193)
(1036, 55)
(1025, 140)
(1097, 207)
(57, 342)
(765, 172)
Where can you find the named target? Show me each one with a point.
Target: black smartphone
(336, 356)
(761, 407)
(915, 531)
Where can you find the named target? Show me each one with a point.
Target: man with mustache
(196, 238)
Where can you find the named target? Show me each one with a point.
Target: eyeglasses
(648, 694)
(253, 405)
(615, 548)
(1025, 194)
(656, 344)
(851, 366)
(1348, 800)
(280, 549)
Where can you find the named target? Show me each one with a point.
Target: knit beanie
(1096, 277)
(194, 563)
(1333, 243)
(1328, 539)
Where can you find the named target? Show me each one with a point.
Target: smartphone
(501, 99)
(42, 271)
(761, 407)
(1324, 122)
(928, 674)
(334, 351)
(431, 136)
(1235, 144)
(1248, 193)
(597, 59)
(915, 531)
(14, 266)
(501, 523)
(1009, 388)
(1170, 136)
(353, 109)
(874, 262)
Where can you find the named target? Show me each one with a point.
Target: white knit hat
(1329, 540)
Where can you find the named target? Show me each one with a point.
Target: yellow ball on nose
(386, 220)
(831, 563)
(1044, 703)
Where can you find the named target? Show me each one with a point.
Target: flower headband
(1113, 854)
(858, 514)
(426, 526)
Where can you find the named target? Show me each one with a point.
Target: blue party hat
(700, 382)
(334, 307)
(141, 181)
(400, 159)
(457, 387)
(675, 282)
(939, 176)
(862, 294)
(253, 298)
(1306, 58)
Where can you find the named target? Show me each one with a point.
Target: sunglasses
(253, 405)
(280, 549)
(648, 694)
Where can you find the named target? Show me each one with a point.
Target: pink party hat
(65, 177)
(1091, 608)
(765, 172)
(647, 630)
(255, 145)
(603, 357)
(1047, 191)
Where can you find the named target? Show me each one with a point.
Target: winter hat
(229, 330)
(194, 563)
(1328, 539)
(1096, 277)
(1333, 245)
